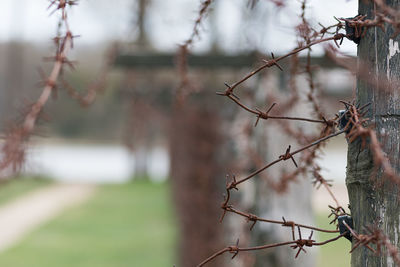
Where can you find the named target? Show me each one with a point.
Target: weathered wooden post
(374, 200)
(293, 202)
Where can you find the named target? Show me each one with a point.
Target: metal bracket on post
(342, 227)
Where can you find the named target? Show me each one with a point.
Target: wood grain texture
(373, 199)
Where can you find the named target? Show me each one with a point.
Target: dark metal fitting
(343, 121)
(342, 227)
(353, 32)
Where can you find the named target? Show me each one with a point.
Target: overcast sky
(170, 22)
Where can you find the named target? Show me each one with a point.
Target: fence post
(374, 200)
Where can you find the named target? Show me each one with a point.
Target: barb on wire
(265, 115)
(352, 122)
(336, 211)
(274, 61)
(181, 59)
(376, 237)
(254, 219)
(288, 155)
(360, 130)
(13, 148)
(316, 142)
(299, 244)
(97, 85)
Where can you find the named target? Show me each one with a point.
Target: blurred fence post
(13, 81)
(197, 179)
(294, 203)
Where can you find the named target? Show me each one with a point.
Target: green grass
(333, 254)
(122, 225)
(16, 187)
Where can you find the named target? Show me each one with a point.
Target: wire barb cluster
(374, 236)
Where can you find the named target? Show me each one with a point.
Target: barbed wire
(356, 128)
(16, 135)
(378, 238)
(183, 51)
(13, 148)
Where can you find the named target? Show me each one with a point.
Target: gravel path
(26, 213)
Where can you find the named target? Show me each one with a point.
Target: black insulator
(344, 117)
(343, 229)
(351, 32)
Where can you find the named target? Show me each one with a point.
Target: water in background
(91, 163)
(115, 164)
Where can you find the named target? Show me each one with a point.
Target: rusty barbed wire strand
(321, 181)
(265, 115)
(234, 183)
(235, 250)
(307, 159)
(12, 149)
(289, 155)
(289, 103)
(274, 62)
(336, 211)
(97, 85)
(356, 128)
(296, 244)
(378, 238)
(384, 14)
(204, 8)
(359, 130)
(312, 86)
(183, 51)
(254, 219)
(229, 92)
